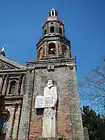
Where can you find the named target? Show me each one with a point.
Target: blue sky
(21, 22)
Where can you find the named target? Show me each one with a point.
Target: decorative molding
(6, 63)
(50, 67)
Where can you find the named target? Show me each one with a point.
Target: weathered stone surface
(9, 125)
(35, 127)
(26, 107)
(16, 123)
(69, 121)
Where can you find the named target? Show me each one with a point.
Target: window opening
(52, 13)
(52, 29)
(52, 48)
(12, 87)
(60, 31)
(45, 31)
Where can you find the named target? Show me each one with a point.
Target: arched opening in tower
(45, 32)
(52, 29)
(56, 13)
(52, 49)
(60, 30)
(52, 13)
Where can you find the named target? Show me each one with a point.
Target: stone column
(77, 127)
(57, 49)
(10, 123)
(8, 87)
(60, 49)
(16, 123)
(26, 107)
(22, 86)
(68, 52)
(18, 86)
(43, 50)
(1, 82)
(5, 85)
(46, 48)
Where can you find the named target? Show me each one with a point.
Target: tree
(92, 87)
(95, 123)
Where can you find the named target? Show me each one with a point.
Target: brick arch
(52, 48)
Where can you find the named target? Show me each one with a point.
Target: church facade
(40, 100)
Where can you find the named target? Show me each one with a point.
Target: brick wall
(69, 122)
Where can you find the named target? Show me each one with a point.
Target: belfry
(40, 100)
(53, 42)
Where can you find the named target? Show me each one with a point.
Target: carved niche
(12, 89)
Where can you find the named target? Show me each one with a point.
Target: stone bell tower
(51, 105)
(53, 42)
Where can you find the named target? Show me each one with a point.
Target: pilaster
(77, 126)
(26, 106)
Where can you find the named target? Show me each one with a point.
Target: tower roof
(53, 12)
(53, 16)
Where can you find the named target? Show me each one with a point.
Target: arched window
(52, 29)
(12, 87)
(64, 49)
(60, 31)
(52, 13)
(52, 49)
(56, 13)
(45, 31)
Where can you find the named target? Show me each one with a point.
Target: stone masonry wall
(12, 100)
(12, 124)
(69, 122)
(23, 133)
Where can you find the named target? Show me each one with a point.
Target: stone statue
(3, 50)
(49, 116)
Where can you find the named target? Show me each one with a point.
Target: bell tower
(55, 108)
(53, 42)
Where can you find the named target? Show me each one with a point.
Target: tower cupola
(53, 12)
(53, 42)
(53, 24)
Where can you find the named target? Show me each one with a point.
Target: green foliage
(95, 123)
